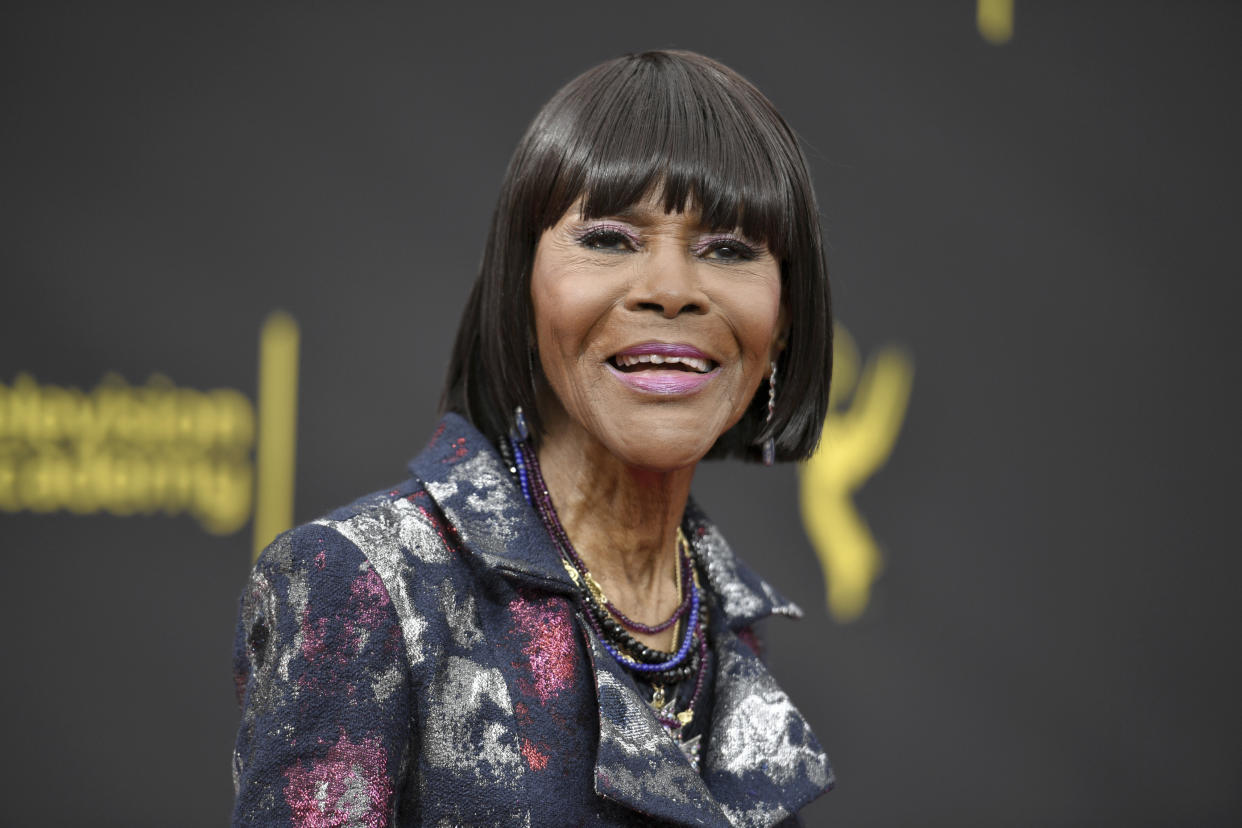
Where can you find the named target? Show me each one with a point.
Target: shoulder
(391, 525)
(372, 532)
(332, 546)
(376, 557)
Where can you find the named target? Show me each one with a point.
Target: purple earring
(519, 422)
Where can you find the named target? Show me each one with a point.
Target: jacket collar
(743, 596)
(475, 490)
(762, 762)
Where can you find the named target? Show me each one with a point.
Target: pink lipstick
(663, 368)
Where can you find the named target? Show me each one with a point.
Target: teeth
(630, 360)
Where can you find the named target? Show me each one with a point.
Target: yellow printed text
(127, 450)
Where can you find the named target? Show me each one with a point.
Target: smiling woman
(539, 627)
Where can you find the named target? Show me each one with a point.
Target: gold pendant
(595, 588)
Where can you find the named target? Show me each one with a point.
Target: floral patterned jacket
(415, 659)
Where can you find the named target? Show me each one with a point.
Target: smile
(640, 362)
(663, 368)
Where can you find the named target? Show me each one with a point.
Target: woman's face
(653, 332)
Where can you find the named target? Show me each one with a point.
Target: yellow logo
(866, 408)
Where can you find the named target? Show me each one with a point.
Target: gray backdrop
(1048, 226)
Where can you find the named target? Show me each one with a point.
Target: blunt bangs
(659, 122)
(701, 138)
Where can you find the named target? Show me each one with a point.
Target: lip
(670, 383)
(667, 383)
(676, 349)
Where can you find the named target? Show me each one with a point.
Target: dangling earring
(519, 445)
(519, 423)
(769, 445)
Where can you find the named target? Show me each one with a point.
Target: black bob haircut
(703, 135)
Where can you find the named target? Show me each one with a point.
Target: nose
(667, 283)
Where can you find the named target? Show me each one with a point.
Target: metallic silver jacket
(416, 658)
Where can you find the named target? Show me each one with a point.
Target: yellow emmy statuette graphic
(866, 408)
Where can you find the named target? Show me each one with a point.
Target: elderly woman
(539, 627)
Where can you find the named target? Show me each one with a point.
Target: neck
(622, 520)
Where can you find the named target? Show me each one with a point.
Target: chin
(664, 450)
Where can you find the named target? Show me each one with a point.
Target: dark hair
(701, 132)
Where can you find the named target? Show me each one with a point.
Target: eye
(729, 249)
(607, 238)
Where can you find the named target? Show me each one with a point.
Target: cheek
(561, 325)
(758, 321)
(545, 305)
(567, 311)
(570, 300)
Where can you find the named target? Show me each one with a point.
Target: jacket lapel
(638, 765)
(763, 763)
